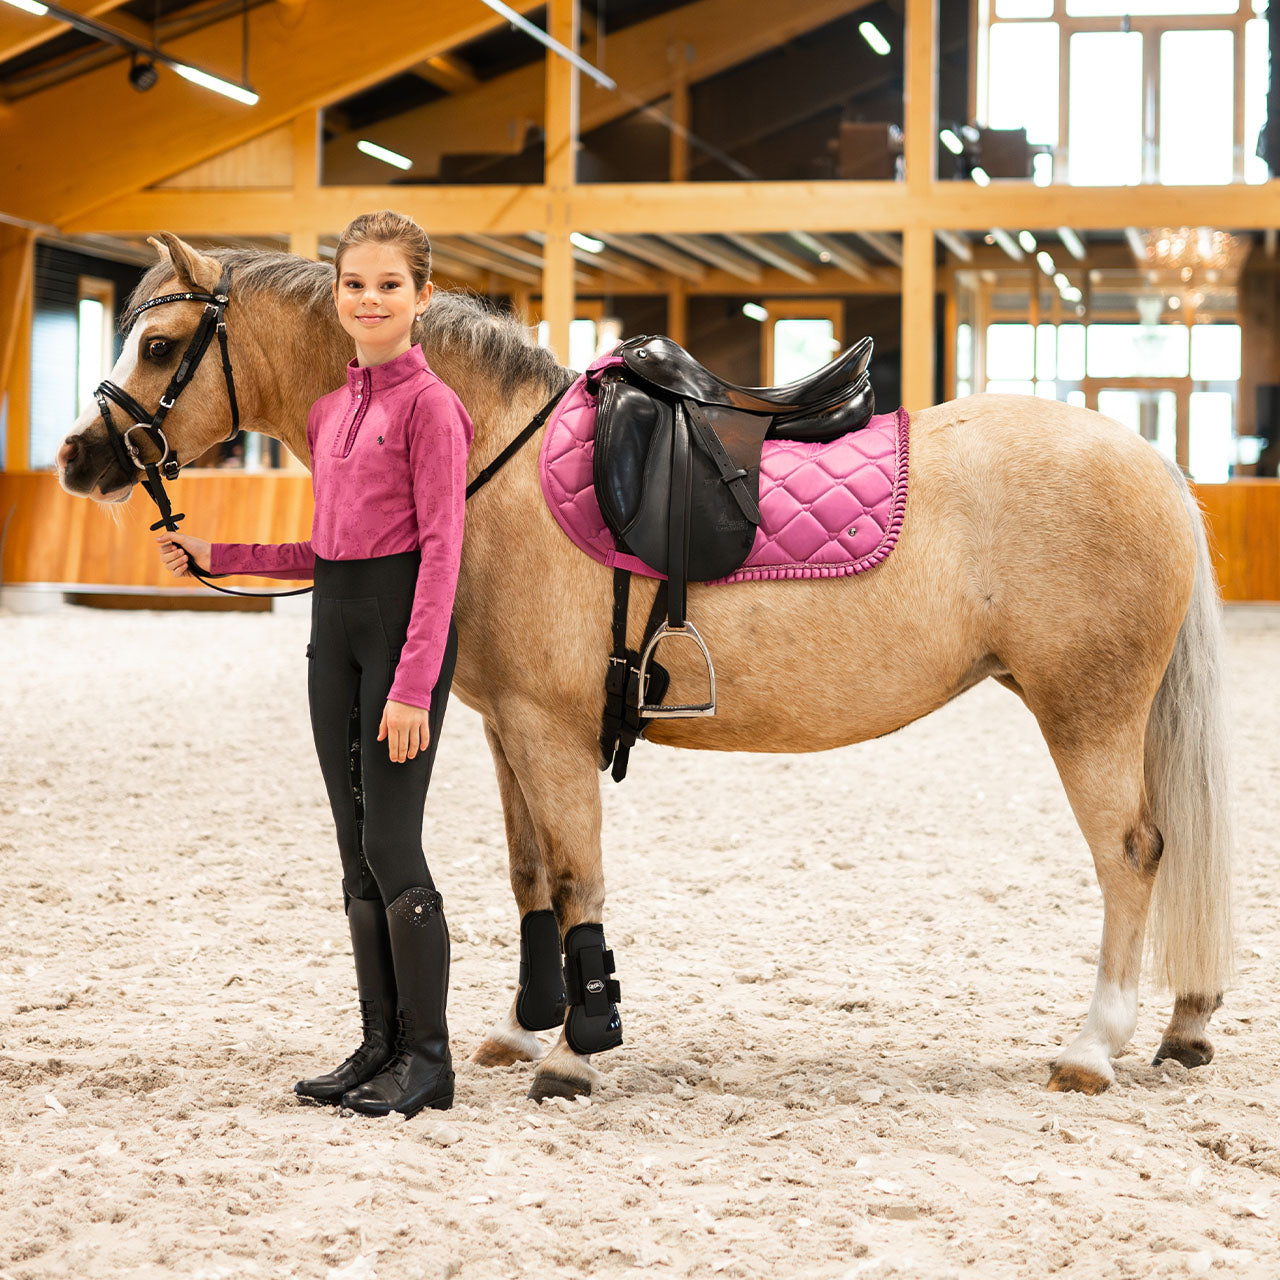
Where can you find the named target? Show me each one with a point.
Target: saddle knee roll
(540, 1002)
(593, 1024)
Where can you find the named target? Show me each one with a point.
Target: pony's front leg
(558, 779)
(540, 998)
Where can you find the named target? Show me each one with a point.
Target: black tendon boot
(376, 986)
(594, 1023)
(421, 1072)
(541, 999)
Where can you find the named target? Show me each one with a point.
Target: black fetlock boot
(376, 986)
(421, 1072)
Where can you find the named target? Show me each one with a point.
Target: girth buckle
(681, 711)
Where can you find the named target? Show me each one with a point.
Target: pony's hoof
(1069, 1078)
(498, 1053)
(549, 1086)
(1192, 1053)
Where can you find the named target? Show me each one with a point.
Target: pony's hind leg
(1104, 783)
(509, 1041)
(1184, 1039)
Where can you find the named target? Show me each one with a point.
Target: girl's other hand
(176, 547)
(406, 730)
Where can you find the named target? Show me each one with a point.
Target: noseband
(127, 452)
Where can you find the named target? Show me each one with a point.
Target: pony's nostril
(67, 452)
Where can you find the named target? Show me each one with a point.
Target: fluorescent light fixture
(980, 176)
(754, 311)
(1071, 294)
(587, 243)
(1027, 241)
(1001, 237)
(871, 34)
(1075, 246)
(951, 141)
(1046, 262)
(1060, 279)
(206, 81)
(384, 154)
(30, 6)
(522, 23)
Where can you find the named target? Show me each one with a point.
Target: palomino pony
(1044, 546)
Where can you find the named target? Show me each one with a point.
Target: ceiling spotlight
(142, 74)
(754, 311)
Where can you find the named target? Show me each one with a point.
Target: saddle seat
(676, 464)
(802, 410)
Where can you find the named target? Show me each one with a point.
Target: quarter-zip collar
(378, 377)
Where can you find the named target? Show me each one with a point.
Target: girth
(676, 466)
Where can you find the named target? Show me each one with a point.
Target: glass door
(1154, 411)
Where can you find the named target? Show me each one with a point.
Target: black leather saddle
(677, 465)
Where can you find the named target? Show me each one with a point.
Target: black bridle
(167, 465)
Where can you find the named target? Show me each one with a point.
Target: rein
(167, 466)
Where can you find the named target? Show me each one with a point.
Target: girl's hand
(174, 549)
(405, 729)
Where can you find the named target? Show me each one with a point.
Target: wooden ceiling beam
(21, 32)
(448, 72)
(771, 256)
(495, 116)
(647, 249)
(622, 209)
(316, 54)
(711, 253)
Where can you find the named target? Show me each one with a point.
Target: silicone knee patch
(593, 1024)
(541, 999)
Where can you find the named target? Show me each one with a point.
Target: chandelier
(1190, 249)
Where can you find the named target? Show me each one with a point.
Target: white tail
(1188, 788)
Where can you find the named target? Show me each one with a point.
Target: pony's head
(154, 344)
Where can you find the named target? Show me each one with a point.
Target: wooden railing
(51, 537)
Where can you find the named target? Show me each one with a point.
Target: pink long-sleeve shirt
(389, 474)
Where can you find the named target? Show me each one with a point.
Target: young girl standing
(388, 464)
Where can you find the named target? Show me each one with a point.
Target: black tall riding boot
(421, 1072)
(376, 985)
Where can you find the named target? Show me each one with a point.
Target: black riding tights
(359, 615)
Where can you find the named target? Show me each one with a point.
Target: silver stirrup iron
(686, 710)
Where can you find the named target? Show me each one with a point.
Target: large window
(1169, 372)
(1170, 91)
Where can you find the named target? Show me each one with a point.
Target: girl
(388, 464)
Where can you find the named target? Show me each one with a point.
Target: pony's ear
(193, 269)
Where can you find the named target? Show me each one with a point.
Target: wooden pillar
(921, 151)
(561, 175)
(679, 136)
(17, 281)
(304, 235)
(678, 311)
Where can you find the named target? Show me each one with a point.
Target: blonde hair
(388, 227)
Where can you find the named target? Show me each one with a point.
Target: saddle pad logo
(827, 509)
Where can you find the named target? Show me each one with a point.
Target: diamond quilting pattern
(826, 509)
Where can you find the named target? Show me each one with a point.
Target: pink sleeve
(439, 439)
(291, 560)
(265, 559)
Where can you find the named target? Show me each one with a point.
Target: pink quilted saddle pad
(825, 509)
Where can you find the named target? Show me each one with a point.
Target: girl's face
(377, 303)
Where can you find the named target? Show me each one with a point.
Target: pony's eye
(158, 348)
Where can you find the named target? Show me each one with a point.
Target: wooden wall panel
(1244, 528)
(52, 537)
